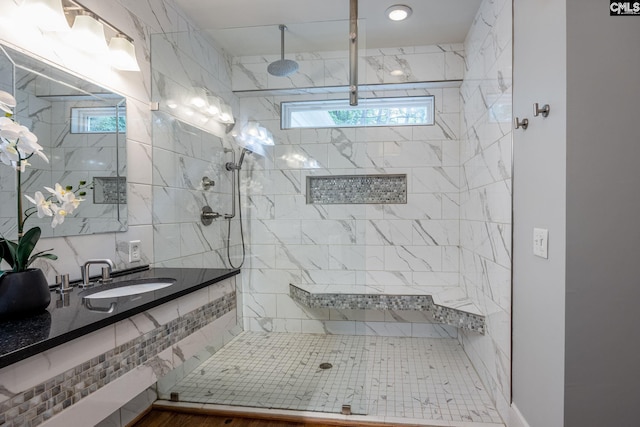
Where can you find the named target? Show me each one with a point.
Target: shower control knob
(208, 215)
(207, 182)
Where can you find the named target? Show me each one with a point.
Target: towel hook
(524, 123)
(544, 111)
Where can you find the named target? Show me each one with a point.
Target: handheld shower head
(244, 151)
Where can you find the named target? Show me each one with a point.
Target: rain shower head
(282, 67)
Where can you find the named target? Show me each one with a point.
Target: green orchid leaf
(42, 254)
(5, 253)
(9, 250)
(26, 245)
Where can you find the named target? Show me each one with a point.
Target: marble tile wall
(485, 192)
(412, 244)
(318, 69)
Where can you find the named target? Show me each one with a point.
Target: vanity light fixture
(226, 114)
(87, 31)
(123, 53)
(214, 105)
(254, 134)
(87, 34)
(199, 98)
(398, 12)
(48, 15)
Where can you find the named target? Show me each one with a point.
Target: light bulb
(398, 12)
(214, 105)
(46, 14)
(123, 54)
(199, 98)
(87, 34)
(226, 114)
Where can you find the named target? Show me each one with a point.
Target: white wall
(539, 201)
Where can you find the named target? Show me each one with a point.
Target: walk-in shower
(407, 298)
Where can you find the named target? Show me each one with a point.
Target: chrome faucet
(106, 271)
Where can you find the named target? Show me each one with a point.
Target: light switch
(541, 242)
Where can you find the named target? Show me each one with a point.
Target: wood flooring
(159, 417)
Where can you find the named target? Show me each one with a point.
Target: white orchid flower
(10, 131)
(9, 154)
(43, 205)
(75, 201)
(5, 121)
(60, 192)
(60, 212)
(7, 102)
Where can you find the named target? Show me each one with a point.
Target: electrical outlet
(135, 251)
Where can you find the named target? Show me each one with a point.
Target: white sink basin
(131, 288)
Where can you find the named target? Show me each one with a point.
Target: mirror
(82, 129)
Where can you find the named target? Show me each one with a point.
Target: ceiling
(250, 27)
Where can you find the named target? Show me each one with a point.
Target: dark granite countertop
(66, 320)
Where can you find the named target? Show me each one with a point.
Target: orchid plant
(17, 146)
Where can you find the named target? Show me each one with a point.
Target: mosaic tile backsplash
(36, 405)
(357, 189)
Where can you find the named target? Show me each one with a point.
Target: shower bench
(448, 304)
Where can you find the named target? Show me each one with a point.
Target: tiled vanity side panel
(155, 344)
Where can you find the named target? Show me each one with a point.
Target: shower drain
(326, 365)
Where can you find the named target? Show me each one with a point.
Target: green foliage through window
(98, 120)
(405, 111)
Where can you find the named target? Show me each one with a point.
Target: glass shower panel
(294, 354)
(189, 145)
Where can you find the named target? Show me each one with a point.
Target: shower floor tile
(422, 378)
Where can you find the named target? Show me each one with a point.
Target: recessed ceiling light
(397, 73)
(399, 12)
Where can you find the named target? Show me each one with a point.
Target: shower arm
(231, 166)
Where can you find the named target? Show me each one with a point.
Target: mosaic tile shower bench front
(92, 376)
(448, 305)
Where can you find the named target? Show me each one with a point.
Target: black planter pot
(23, 294)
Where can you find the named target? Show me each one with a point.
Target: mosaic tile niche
(357, 189)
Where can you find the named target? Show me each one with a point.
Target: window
(405, 111)
(98, 120)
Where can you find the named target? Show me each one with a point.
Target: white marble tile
(419, 207)
(328, 277)
(435, 180)
(408, 154)
(260, 305)
(388, 232)
(329, 232)
(304, 257)
(412, 258)
(287, 325)
(261, 256)
(347, 257)
(384, 329)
